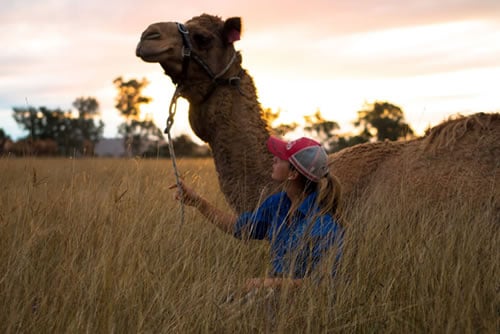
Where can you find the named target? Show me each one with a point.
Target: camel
(46, 147)
(200, 58)
(30, 147)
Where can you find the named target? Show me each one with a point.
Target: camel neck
(230, 122)
(231, 82)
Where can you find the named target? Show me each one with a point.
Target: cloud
(398, 52)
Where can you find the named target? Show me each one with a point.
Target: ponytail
(329, 195)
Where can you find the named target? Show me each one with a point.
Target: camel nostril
(150, 35)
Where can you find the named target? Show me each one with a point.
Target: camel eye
(203, 42)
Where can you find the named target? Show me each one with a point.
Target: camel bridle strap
(188, 54)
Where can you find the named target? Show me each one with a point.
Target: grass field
(97, 246)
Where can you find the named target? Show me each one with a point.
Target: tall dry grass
(97, 246)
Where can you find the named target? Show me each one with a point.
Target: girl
(299, 222)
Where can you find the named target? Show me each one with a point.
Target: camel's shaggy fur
(460, 157)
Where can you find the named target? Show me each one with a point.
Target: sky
(434, 59)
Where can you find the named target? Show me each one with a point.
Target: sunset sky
(432, 58)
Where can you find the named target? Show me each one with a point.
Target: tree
(347, 141)
(128, 102)
(383, 120)
(139, 134)
(68, 131)
(91, 133)
(130, 97)
(3, 139)
(87, 107)
(184, 146)
(281, 129)
(3, 135)
(322, 128)
(39, 122)
(43, 123)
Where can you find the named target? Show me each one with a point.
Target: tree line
(377, 121)
(76, 132)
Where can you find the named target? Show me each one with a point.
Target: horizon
(434, 60)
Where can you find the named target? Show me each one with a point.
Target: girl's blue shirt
(298, 243)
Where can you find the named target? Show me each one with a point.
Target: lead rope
(170, 121)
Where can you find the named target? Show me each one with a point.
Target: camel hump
(476, 127)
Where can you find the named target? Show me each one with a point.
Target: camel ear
(232, 30)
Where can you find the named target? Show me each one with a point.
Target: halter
(188, 54)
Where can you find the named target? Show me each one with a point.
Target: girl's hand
(185, 194)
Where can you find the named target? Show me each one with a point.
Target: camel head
(199, 50)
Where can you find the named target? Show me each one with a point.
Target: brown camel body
(29, 147)
(457, 160)
(461, 155)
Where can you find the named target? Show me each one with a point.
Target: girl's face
(281, 170)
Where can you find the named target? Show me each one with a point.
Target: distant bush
(183, 145)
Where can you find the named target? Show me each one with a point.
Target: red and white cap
(305, 154)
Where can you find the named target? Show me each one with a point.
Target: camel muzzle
(148, 35)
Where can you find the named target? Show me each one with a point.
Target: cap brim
(277, 147)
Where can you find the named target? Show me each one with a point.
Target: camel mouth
(151, 54)
(151, 47)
